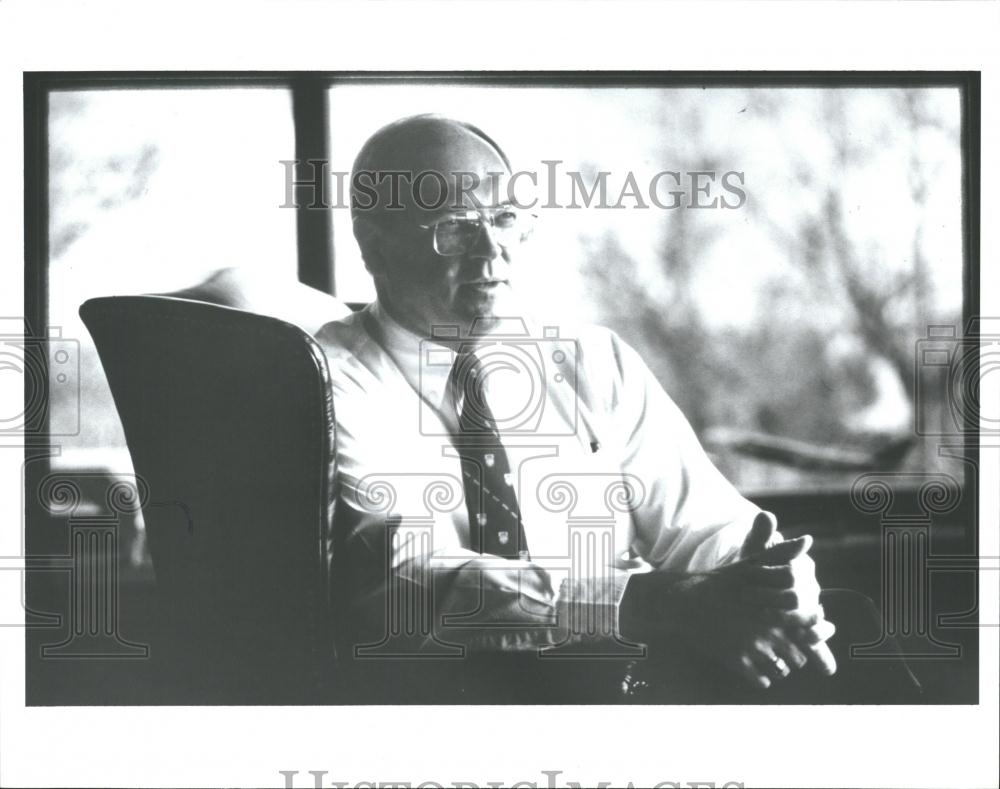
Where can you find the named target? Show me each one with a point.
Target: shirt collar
(424, 363)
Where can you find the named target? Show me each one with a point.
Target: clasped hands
(759, 617)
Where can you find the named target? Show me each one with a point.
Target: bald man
(492, 544)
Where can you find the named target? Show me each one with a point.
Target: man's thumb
(761, 532)
(784, 552)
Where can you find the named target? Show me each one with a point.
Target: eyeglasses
(457, 233)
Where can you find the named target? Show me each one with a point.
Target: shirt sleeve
(691, 518)
(454, 596)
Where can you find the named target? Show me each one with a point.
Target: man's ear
(369, 237)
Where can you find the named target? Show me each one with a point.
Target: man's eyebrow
(462, 212)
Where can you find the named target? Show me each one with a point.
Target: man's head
(427, 200)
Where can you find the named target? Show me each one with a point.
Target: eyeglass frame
(479, 216)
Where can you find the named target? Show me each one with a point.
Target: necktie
(494, 517)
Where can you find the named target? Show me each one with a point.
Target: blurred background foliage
(855, 250)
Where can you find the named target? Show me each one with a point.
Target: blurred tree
(821, 379)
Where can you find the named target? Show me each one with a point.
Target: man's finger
(822, 631)
(747, 669)
(784, 552)
(761, 533)
(791, 619)
(822, 658)
(769, 663)
(788, 651)
(768, 597)
(781, 577)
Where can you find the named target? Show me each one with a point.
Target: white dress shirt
(609, 476)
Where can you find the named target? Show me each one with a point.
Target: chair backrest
(229, 421)
(267, 294)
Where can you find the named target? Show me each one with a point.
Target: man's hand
(760, 617)
(791, 606)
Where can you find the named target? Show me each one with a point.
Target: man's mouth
(485, 284)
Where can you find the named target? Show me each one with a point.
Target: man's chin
(485, 306)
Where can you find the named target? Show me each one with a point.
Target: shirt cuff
(588, 608)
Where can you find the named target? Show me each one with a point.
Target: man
(596, 527)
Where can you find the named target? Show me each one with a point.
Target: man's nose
(486, 246)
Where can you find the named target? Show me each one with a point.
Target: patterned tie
(494, 517)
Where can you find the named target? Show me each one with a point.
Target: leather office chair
(227, 414)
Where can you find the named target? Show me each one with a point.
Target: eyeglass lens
(458, 234)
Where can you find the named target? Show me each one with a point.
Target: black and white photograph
(493, 401)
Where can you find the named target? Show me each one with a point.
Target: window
(784, 320)
(149, 191)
